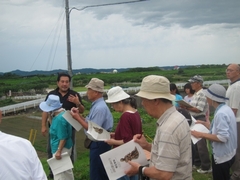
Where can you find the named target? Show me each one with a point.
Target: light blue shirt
(177, 97)
(100, 114)
(224, 126)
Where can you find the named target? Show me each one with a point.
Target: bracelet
(143, 171)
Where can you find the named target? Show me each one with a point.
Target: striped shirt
(171, 149)
(199, 101)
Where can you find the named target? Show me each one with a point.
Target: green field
(21, 124)
(132, 77)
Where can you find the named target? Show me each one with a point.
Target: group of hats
(152, 87)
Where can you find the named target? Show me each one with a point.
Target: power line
(107, 4)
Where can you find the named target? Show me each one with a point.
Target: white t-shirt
(187, 98)
(233, 94)
(19, 160)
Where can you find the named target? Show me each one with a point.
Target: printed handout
(197, 127)
(96, 132)
(58, 166)
(72, 121)
(116, 160)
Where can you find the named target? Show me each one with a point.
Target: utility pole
(67, 11)
(69, 57)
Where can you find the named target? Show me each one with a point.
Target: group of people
(223, 129)
(171, 149)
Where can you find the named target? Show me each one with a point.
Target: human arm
(193, 109)
(151, 172)
(114, 142)
(44, 123)
(76, 99)
(75, 114)
(205, 123)
(59, 150)
(211, 137)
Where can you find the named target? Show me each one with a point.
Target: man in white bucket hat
(223, 133)
(171, 148)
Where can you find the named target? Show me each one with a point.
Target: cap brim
(116, 99)
(212, 97)
(44, 107)
(93, 88)
(150, 95)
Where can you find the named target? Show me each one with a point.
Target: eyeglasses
(229, 70)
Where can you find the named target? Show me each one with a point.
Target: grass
(21, 124)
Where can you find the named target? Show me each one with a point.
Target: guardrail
(40, 98)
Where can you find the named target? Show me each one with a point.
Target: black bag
(87, 143)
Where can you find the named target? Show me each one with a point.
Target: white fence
(40, 98)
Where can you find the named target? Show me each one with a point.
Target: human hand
(73, 98)
(58, 155)
(110, 142)
(196, 134)
(141, 140)
(112, 135)
(44, 130)
(133, 169)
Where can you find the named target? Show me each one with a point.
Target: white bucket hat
(96, 85)
(154, 87)
(216, 92)
(52, 103)
(116, 94)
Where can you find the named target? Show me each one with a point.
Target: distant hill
(79, 71)
(75, 71)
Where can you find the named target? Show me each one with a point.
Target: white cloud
(151, 33)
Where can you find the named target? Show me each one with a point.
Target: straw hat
(154, 87)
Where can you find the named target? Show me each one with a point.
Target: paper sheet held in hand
(116, 160)
(96, 132)
(72, 121)
(197, 127)
(58, 166)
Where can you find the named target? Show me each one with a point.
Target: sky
(143, 34)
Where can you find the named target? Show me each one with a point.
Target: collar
(199, 91)
(235, 81)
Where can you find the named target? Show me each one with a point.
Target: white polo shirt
(19, 160)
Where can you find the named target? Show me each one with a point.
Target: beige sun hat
(116, 94)
(96, 85)
(154, 87)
